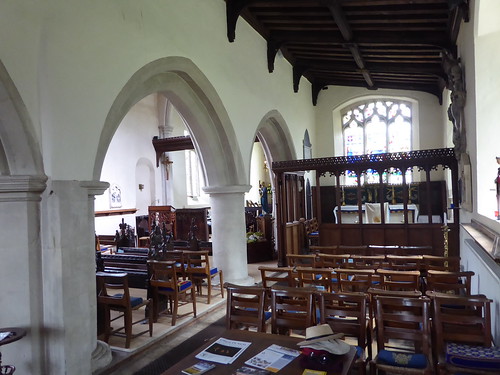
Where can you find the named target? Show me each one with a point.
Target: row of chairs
(411, 331)
(171, 283)
(421, 263)
(360, 280)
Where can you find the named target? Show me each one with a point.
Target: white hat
(321, 337)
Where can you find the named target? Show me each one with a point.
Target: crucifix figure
(167, 163)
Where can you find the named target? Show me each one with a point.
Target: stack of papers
(274, 358)
(223, 351)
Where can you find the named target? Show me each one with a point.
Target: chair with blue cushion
(198, 269)
(347, 313)
(462, 335)
(123, 302)
(164, 282)
(319, 278)
(403, 336)
(292, 310)
(246, 307)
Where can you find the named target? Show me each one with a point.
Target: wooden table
(260, 341)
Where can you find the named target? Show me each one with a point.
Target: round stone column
(229, 245)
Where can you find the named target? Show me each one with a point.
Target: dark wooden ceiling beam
(367, 39)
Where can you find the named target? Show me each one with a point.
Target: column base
(101, 356)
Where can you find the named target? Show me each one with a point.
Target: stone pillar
(68, 263)
(21, 270)
(229, 232)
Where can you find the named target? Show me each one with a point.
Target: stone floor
(165, 337)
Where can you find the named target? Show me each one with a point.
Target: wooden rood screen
(410, 213)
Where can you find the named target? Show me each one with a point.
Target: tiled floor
(165, 337)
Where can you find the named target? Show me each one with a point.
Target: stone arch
(180, 80)
(19, 150)
(275, 138)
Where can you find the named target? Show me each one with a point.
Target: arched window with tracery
(375, 127)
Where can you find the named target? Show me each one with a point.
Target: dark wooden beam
(162, 145)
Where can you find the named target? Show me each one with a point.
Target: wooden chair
(276, 275)
(373, 292)
(178, 257)
(353, 280)
(462, 321)
(246, 307)
(404, 262)
(441, 263)
(458, 283)
(346, 313)
(319, 278)
(291, 309)
(403, 336)
(301, 260)
(399, 280)
(164, 282)
(123, 302)
(331, 261)
(372, 262)
(198, 269)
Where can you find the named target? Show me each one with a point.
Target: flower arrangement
(255, 237)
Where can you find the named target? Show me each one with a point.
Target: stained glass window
(376, 127)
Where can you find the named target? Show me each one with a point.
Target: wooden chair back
(346, 313)
(404, 262)
(458, 283)
(399, 280)
(245, 307)
(372, 262)
(402, 320)
(276, 275)
(354, 280)
(331, 261)
(301, 260)
(373, 292)
(198, 268)
(319, 278)
(462, 320)
(292, 309)
(441, 263)
(180, 262)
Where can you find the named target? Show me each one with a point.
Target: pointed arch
(275, 138)
(19, 150)
(182, 83)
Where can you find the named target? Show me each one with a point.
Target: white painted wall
(131, 160)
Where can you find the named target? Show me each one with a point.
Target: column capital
(22, 188)
(95, 187)
(227, 189)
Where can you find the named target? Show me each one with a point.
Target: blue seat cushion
(473, 356)
(401, 359)
(134, 301)
(182, 285)
(213, 271)
(360, 352)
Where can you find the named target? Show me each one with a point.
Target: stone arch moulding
(275, 138)
(21, 151)
(181, 81)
